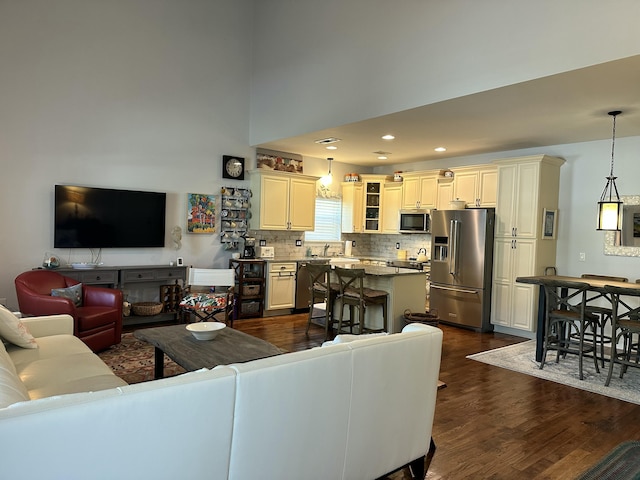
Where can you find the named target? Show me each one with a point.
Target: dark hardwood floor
(491, 422)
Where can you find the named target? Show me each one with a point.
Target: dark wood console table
(131, 277)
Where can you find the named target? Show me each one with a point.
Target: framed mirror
(626, 243)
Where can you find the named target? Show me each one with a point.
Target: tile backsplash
(367, 245)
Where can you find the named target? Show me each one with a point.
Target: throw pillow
(73, 293)
(14, 331)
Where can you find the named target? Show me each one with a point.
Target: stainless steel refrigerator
(461, 266)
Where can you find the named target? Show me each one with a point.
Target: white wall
(322, 64)
(141, 94)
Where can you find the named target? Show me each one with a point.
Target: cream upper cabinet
(284, 201)
(391, 207)
(445, 194)
(525, 187)
(352, 212)
(518, 196)
(419, 191)
(373, 202)
(465, 187)
(488, 186)
(476, 185)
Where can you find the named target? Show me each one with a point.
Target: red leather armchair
(98, 322)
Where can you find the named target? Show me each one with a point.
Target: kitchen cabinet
(476, 186)
(372, 207)
(352, 203)
(249, 287)
(465, 186)
(525, 187)
(281, 285)
(286, 200)
(391, 206)
(444, 194)
(488, 187)
(419, 191)
(513, 303)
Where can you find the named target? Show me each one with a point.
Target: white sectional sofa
(352, 410)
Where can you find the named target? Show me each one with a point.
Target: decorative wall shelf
(234, 215)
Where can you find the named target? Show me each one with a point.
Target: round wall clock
(232, 167)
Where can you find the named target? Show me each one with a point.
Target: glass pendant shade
(609, 215)
(328, 178)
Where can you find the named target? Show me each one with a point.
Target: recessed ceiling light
(332, 147)
(440, 149)
(388, 137)
(382, 157)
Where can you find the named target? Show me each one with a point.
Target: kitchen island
(406, 288)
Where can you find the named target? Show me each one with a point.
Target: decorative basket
(427, 317)
(250, 290)
(145, 309)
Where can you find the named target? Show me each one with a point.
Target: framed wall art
(201, 213)
(279, 161)
(549, 224)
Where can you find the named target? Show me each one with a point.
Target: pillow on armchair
(73, 293)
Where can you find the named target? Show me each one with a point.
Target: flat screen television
(88, 217)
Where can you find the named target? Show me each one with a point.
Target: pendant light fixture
(328, 178)
(610, 206)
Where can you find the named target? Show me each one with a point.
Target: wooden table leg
(158, 370)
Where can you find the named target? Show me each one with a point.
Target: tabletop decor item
(205, 330)
(50, 261)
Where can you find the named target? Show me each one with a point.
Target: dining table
(595, 285)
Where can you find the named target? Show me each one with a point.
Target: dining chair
(603, 313)
(625, 328)
(322, 290)
(205, 304)
(354, 294)
(566, 321)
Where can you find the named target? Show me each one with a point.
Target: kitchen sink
(343, 261)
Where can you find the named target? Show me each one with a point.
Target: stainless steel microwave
(414, 221)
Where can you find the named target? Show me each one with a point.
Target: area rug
(133, 360)
(622, 463)
(521, 358)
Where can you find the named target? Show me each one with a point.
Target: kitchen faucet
(326, 247)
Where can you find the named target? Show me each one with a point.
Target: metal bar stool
(625, 326)
(354, 294)
(566, 322)
(321, 288)
(603, 314)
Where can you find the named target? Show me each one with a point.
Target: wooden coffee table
(230, 346)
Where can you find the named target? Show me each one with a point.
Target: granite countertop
(376, 270)
(380, 271)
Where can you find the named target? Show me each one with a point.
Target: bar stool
(603, 313)
(565, 322)
(625, 326)
(321, 288)
(354, 294)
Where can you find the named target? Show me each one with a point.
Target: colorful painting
(201, 213)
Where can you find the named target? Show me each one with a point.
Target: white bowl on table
(205, 330)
